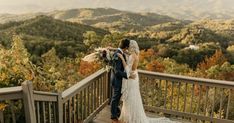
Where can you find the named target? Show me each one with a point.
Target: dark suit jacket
(118, 71)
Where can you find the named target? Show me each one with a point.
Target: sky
(27, 6)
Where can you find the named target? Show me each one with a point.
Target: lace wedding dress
(132, 109)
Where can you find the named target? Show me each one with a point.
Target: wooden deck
(104, 117)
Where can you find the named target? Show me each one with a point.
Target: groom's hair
(124, 43)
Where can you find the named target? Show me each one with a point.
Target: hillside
(105, 18)
(111, 18)
(42, 33)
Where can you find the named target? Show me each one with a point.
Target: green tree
(91, 39)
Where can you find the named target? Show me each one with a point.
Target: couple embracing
(125, 83)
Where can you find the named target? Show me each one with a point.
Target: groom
(118, 73)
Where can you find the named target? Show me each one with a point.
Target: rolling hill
(42, 33)
(105, 18)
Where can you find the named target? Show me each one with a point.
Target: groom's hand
(132, 76)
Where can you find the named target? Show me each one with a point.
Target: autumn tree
(217, 59)
(87, 68)
(15, 66)
(91, 39)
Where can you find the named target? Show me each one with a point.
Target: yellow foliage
(2, 106)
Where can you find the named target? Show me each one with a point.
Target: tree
(91, 39)
(112, 39)
(217, 59)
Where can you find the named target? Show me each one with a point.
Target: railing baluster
(1, 117)
(221, 103)
(81, 105)
(85, 102)
(199, 100)
(65, 112)
(160, 87)
(206, 99)
(88, 103)
(77, 108)
(213, 104)
(185, 97)
(165, 96)
(228, 105)
(49, 112)
(12, 111)
(172, 93)
(92, 96)
(69, 111)
(44, 112)
(178, 97)
(105, 85)
(95, 94)
(103, 89)
(191, 103)
(74, 109)
(38, 112)
(100, 91)
(54, 112)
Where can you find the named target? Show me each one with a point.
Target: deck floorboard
(104, 117)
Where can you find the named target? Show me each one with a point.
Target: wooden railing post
(1, 117)
(60, 108)
(29, 107)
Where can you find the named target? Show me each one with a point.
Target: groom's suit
(118, 73)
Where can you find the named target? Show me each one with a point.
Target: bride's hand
(132, 76)
(120, 56)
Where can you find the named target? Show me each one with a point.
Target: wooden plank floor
(104, 117)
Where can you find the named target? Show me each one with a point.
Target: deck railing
(187, 97)
(194, 98)
(84, 100)
(78, 104)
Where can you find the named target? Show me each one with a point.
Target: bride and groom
(125, 83)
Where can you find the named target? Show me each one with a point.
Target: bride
(132, 109)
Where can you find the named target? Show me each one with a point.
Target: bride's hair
(133, 47)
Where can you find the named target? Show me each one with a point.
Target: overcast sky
(23, 6)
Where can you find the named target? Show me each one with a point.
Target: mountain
(108, 18)
(105, 18)
(180, 9)
(42, 33)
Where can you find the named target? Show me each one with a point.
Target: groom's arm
(119, 72)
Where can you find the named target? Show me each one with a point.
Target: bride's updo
(133, 47)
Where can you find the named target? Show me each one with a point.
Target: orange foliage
(217, 59)
(155, 66)
(146, 54)
(87, 68)
(229, 76)
(197, 89)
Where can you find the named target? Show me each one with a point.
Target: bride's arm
(135, 63)
(127, 69)
(123, 60)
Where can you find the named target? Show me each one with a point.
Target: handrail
(77, 87)
(11, 93)
(45, 93)
(45, 96)
(172, 77)
(10, 90)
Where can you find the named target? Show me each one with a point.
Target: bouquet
(103, 55)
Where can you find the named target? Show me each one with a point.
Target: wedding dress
(132, 109)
